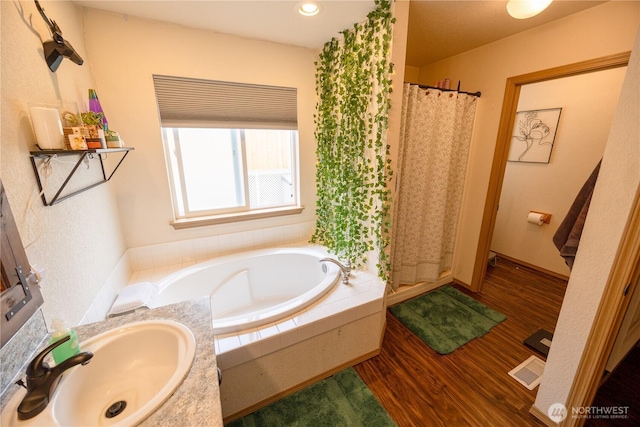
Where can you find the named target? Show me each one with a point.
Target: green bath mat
(340, 400)
(446, 318)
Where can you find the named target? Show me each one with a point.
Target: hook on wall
(58, 48)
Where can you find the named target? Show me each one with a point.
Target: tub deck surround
(342, 305)
(264, 364)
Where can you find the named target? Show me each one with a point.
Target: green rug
(446, 318)
(340, 400)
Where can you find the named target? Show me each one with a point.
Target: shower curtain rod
(476, 94)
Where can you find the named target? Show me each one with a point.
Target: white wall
(588, 102)
(125, 52)
(81, 241)
(617, 187)
(599, 31)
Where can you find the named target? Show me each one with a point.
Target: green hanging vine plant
(353, 85)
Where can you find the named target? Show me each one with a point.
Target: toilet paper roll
(47, 127)
(535, 218)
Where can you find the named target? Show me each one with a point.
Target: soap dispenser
(67, 349)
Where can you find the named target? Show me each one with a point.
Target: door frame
(501, 153)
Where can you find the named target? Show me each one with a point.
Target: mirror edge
(12, 319)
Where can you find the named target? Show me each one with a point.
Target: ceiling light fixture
(523, 9)
(308, 8)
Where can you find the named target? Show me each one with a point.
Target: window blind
(186, 102)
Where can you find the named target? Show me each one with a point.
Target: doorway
(513, 89)
(560, 136)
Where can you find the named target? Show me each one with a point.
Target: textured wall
(80, 240)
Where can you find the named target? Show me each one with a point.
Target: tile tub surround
(202, 381)
(153, 262)
(263, 364)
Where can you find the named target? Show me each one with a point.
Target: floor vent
(529, 372)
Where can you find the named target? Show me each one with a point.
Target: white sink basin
(140, 364)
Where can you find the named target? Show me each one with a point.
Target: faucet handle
(38, 366)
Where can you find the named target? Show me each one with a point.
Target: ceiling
(273, 20)
(437, 28)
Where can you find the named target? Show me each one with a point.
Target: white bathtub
(253, 288)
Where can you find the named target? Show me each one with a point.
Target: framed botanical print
(534, 132)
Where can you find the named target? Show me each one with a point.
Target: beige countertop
(197, 401)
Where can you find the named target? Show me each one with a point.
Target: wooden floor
(469, 387)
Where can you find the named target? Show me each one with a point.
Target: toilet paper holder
(545, 217)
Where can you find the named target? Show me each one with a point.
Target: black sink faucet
(42, 380)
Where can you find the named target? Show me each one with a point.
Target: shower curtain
(434, 148)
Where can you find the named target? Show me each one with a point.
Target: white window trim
(184, 223)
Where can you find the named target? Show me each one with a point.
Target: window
(231, 148)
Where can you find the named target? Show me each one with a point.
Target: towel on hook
(567, 236)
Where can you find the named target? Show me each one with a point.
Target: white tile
(160, 257)
(268, 237)
(252, 351)
(200, 249)
(212, 246)
(247, 240)
(224, 242)
(289, 337)
(336, 320)
(258, 239)
(145, 258)
(286, 325)
(304, 318)
(249, 336)
(305, 331)
(320, 326)
(133, 258)
(174, 254)
(288, 234)
(362, 310)
(228, 342)
(230, 359)
(187, 251)
(268, 331)
(272, 344)
(376, 305)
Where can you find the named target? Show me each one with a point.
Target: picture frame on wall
(534, 133)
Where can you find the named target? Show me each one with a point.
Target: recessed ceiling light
(308, 8)
(523, 9)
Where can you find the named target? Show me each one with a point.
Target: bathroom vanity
(196, 401)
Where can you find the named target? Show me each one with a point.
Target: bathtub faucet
(345, 269)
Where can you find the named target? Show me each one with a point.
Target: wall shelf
(47, 155)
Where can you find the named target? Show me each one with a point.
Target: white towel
(134, 296)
